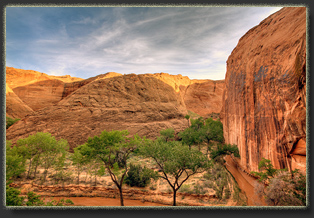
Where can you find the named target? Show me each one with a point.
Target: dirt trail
(245, 182)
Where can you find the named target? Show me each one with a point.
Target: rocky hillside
(200, 96)
(35, 90)
(139, 103)
(264, 103)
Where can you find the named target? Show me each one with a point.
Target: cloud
(84, 42)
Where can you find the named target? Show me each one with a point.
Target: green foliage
(42, 149)
(139, 176)
(212, 130)
(223, 150)
(176, 161)
(12, 197)
(15, 162)
(187, 117)
(113, 149)
(219, 181)
(284, 188)
(267, 169)
(190, 137)
(167, 134)
(10, 121)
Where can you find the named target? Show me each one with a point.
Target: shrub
(10, 121)
(139, 176)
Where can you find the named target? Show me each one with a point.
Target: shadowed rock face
(264, 103)
(15, 107)
(140, 104)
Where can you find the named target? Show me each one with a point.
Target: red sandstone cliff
(264, 103)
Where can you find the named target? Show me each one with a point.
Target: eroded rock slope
(138, 103)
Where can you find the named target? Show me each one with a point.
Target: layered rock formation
(35, 90)
(264, 103)
(15, 107)
(140, 104)
(200, 96)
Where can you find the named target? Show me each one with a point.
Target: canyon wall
(264, 102)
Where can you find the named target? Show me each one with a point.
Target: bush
(10, 121)
(139, 176)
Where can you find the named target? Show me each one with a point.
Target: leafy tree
(38, 145)
(15, 162)
(167, 134)
(113, 149)
(212, 130)
(267, 170)
(176, 161)
(10, 121)
(53, 153)
(139, 176)
(197, 124)
(222, 150)
(79, 161)
(187, 117)
(190, 137)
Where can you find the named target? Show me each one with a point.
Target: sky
(87, 41)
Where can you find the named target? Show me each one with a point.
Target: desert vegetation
(283, 188)
(195, 154)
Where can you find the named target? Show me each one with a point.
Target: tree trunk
(29, 168)
(121, 196)
(174, 197)
(78, 176)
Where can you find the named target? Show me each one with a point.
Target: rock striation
(15, 107)
(200, 96)
(141, 104)
(264, 102)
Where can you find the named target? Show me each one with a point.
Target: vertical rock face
(264, 103)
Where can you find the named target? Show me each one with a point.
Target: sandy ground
(101, 201)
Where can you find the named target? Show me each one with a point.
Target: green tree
(222, 150)
(53, 153)
(176, 161)
(266, 169)
(190, 137)
(113, 149)
(167, 134)
(78, 161)
(187, 117)
(35, 147)
(15, 162)
(212, 131)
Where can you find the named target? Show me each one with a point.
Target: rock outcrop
(141, 104)
(204, 98)
(200, 96)
(264, 103)
(38, 90)
(15, 107)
